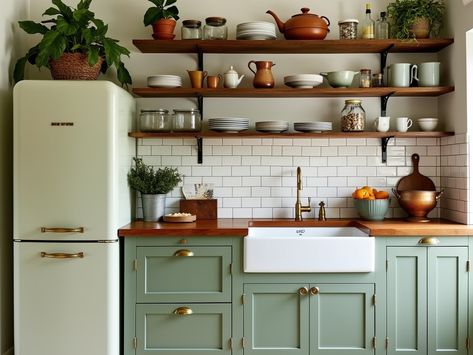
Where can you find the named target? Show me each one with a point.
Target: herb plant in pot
(153, 185)
(162, 17)
(74, 46)
(415, 18)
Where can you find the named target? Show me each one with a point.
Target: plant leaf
(19, 71)
(93, 55)
(66, 11)
(151, 16)
(83, 16)
(169, 2)
(123, 75)
(52, 45)
(51, 11)
(172, 12)
(67, 28)
(89, 35)
(84, 4)
(32, 27)
(113, 51)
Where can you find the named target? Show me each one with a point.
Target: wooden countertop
(238, 227)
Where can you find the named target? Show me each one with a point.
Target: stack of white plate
(164, 81)
(312, 126)
(303, 81)
(256, 30)
(272, 126)
(228, 124)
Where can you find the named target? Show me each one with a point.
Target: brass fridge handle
(303, 291)
(183, 311)
(314, 291)
(429, 241)
(184, 252)
(62, 230)
(62, 255)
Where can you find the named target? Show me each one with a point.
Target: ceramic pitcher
(263, 75)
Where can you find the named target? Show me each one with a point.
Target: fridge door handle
(62, 230)
(62, 255)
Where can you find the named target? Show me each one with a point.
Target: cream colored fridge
(71, 157)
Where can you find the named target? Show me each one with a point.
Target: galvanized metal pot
(153, 206)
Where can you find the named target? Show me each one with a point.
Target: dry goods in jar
(353, 116)
(348, 29)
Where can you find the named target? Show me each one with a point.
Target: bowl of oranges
(371, 204)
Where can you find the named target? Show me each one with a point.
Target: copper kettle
(303, 26)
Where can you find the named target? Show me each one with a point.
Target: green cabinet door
(341, 319)
(276, 319)
(166, 329)
(184, 274)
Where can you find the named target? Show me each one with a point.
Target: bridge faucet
(299, 208)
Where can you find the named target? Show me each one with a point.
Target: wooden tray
(179, 219)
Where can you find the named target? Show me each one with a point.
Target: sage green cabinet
(293, 319)
(427, 300)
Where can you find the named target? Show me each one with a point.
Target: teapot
(303, 26)
(231, 79)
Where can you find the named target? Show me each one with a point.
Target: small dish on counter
(179, 217)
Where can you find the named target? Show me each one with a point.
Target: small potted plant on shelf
(74, 46)
(415, 18)
(153, 186)
(162, 17)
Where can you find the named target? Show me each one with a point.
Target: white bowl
(427, 124)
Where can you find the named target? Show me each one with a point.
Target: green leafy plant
(72, 31)
(403, 13)
(145, 179)
(161, 10)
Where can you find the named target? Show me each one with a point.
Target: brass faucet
(322, 211)
(299, 208)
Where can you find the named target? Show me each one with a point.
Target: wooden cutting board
(179, 219)
(415, 180)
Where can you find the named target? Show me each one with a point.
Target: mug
(403, 124)
(401, 74)
(381, 124)
(213, 80)
(197, 78)
(428, 74)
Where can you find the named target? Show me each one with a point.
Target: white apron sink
(309, 249)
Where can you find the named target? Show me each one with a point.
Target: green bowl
(372, 210)
(340, 78)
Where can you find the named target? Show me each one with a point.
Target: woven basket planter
(74, 66)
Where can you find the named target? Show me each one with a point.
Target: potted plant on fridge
(153, 186)
(416, 18)
(74, 46)
(162, 17)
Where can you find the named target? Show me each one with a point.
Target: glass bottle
(382, 27)
(367, 25)
(215, 28)
(353, 117)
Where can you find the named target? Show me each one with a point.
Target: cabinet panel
(165, 277)
(342, 319)
(448, 300)
(206, 331)
(406, 300)
(276, 319)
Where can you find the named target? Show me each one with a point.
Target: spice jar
(348, 28)
(365, 78)
(154, 120)
(191, 29)
(353, 116)
(187, 120)
(215, 28)
(377, 80)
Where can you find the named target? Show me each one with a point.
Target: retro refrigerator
(71, 157)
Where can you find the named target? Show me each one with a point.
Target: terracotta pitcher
(263, 75)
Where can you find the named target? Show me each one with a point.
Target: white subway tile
(368, 150)
(377, 181)
(301, 161)
(346, 171)
(344, 192)
(231, 181)
(347, 151)
(283, 213)
(225, 213)
(223, 192)
(242, 213)
(357, 161)
(212, 141)
(172, 141)
(241, 171)
(150, 141)
(232, 141)
(332, 212)
(143, 150)
(251, 181)
(327, 192)
(318, 161)
(283, 161)
(404, 141)
(222, 150)
(201, 171)
(337, 141)
(426, 141)
(433, 150)
(251, 160)
(272, 202)
(386, 171)
(251, 202)
(336, 202)
(181, 150)
(252, 141)
(329, 151)
(267, 141)
(228, 202)
(242, 192)
(161, 150)
(153, 160)
(260, 171)
(358, 181)
(263, 191)
(348, 213)
(284, 141)
(232, 160)
(356, 141)
(337, 181)
(221, 171)
(292, 151)
(262, 150)
(304, 142)
(189, 141)
(337, 161)
(262, 212)
(276, 150)
(271, 181)
(211, 160)
(327, 171)
(281, 191)
(366, 171)
(242, 150)
(311, 151)
(320, 142)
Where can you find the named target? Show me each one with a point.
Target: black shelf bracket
(199, 150)
(384, 103)
(384, 148)
(384, 57)
(200, 105)
(200, 59)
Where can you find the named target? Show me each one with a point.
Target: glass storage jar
(215, 28)
(365, 78)
(191, 29)
(377, 80)
(154, 121)
(353, 117)
(348, 28)
(186, 120)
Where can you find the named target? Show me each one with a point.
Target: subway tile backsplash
(255, 177)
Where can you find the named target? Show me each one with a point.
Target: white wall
(10, 49)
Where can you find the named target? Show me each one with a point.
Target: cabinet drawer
(159, 330)
(184, 274)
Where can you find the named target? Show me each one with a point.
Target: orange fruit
(360, 194)
(381, 195)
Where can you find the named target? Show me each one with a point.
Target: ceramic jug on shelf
(231, 79)
(263, 75)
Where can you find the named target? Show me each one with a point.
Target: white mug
(403, 124)
(428, 74)
(381, 124)
(401, 74)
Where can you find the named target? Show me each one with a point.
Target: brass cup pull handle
(62, 255)
(429, 241)
(183, 311)
(62, 230)
(303, 291)
(184, 252)
(314, 291)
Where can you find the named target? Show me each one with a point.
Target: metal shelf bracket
(384, 103)
(384, 148)
(200, 105)
(200, 59)
(384, 57)
(199, 150)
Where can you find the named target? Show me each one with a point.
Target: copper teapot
(303, 26)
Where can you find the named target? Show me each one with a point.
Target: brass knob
(303, 291)
(184, 252)
(429, 241)
(314, 291)
(183, 311)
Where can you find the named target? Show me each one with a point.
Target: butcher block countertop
(238, 227)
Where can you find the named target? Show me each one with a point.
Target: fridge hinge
(468, 343)
(230, 341)
(243, 342)
(373, 342)
(243, 298)
(231, 268)
(386, 342)
(374, 299)
(135, 265)
(135, 343)
(468, 265)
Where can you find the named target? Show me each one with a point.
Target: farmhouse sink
(308, 249)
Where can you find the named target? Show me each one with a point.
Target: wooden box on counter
(203, 209)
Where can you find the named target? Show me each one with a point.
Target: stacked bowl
(164, 81)
(228, 124)
(303, 81)
(312, 126)
(272, 126)
(256, 30)
(427, 124)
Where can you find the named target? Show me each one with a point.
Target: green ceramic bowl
(340, 78)
(372, 210)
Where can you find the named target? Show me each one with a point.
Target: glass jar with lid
(154, 120)
(186, 120)
(348, 28)
(215, 28)
(353, 117)
(365, 78)
(191, 29)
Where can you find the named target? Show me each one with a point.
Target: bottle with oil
(367, 25)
